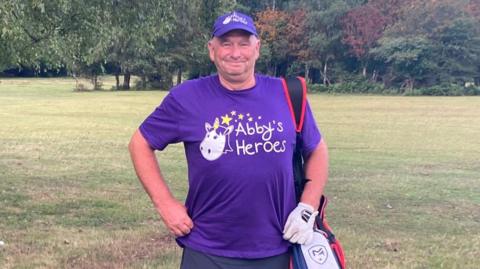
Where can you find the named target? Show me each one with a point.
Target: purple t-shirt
(239, 147)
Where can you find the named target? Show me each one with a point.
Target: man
(239, 138)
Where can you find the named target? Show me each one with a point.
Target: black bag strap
(296, 95)
(296, 92)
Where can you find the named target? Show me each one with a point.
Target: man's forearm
(174, 214)
(316, 169)
(148, 171)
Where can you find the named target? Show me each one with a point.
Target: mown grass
(404, 184)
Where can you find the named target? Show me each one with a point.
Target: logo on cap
(233, 21)
(235, 18)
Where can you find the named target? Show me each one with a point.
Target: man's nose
(235, 53)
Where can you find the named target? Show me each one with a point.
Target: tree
(410, 59)
(459, 56)
(133, 29)
(436, 39)
(324, 33)
(298, 40)
(27, 32)
(271, 26)
(55, 33)
(8, 42)
(473, 9)
(362, 27)
(81, 39)
(252, 6)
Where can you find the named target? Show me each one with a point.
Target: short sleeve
(311, 136)
(161, 127)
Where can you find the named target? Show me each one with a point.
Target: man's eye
(226, 44)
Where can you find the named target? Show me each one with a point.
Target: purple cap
(233, 21)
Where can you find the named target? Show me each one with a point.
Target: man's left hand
(299, 226)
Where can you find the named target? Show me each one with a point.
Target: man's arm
(298, 228)
(173, 213)
(316, 169)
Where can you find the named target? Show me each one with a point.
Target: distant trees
(271, 25)
(27, 33)
(362, 28)
(150, 39)
(436, 42)
(303, 39)
(402, 44)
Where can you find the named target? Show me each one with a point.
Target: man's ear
(257, 48)
(211, 48)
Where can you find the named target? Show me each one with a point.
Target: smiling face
(234, 55)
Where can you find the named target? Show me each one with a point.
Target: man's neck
(234, 85)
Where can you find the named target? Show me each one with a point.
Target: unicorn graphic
(216, 141)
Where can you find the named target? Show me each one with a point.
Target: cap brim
(239, 27)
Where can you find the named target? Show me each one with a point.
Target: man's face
(234, 55)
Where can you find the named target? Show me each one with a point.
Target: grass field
(404, 184)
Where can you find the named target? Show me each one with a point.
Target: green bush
(472, 90)
(391, 91)
(356, 86)
(317, 88)
(361, 87)
(437, 90)
(447, 90)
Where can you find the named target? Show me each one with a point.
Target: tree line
(401, 46)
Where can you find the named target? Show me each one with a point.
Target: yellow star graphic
(240, 117)
(226, 119)
(233, 113)
(250, 119)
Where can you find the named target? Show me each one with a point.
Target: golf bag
(324, 252)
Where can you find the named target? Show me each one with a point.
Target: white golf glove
(299, 226)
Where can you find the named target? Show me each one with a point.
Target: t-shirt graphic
(233, 129)
(213, 145)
